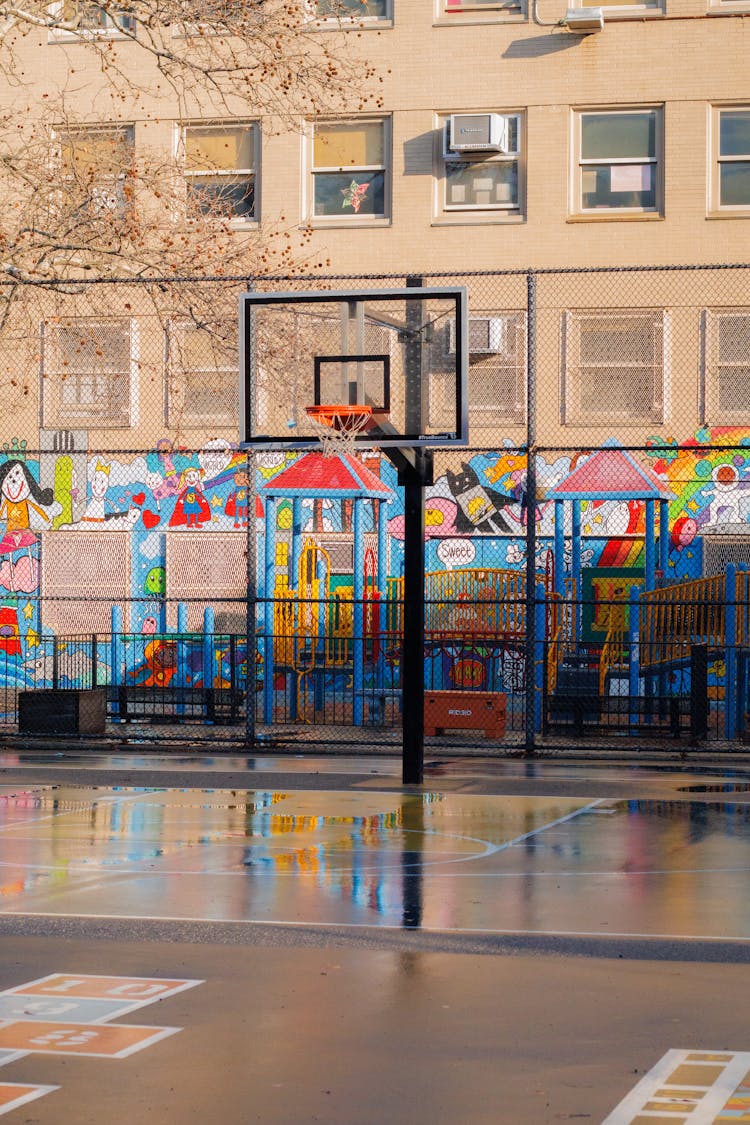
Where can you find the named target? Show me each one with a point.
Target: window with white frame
(475, 8)
(474, 182)
(349, 169)
(88, 372)
(624, 9)
(362, 11)
(726, 365)
(731, 158)
(81, 19)
(497, 371)
(202, 375)
(617, 161)
(614, 367)
(221, 169)
(96, 164)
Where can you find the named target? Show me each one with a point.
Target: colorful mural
(477, 514)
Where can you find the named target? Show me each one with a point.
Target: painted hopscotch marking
(689, 1088)
(87, 1001)
(71, 1009)
(135, 991)
(15, 1094)
(103, 1041)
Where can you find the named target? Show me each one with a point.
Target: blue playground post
(730, 655)
(358, 616)
(296, 541)
(182, 624)
(664, 537)
(634, 638)
(116, 627)
(539, 615)
(382, 506)
(576, 566)
(269, 568)
(209, 648)
(560, 547)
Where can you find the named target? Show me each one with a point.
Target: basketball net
(337, 427)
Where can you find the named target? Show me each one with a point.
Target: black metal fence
(584, 554)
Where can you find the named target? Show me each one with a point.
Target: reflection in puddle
(441, 861)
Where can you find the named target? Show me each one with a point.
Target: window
(220, 170)
(349, 170)
(477, 8)
(614, 367)
(82, 20)
(497, 370)
(95, 167)
(627, 8)
(618, 162)
(726, 365)
(359, 10)
(479, 182)
(203, 385)
(87, 373)
(497, 373)
(731, 139)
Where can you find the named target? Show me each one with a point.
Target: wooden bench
(465, 710)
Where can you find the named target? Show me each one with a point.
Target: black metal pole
(413, 478)
(412, 653)
(531, 489)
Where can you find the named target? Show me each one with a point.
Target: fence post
(531, 490)
(94, 676)
(698, 692)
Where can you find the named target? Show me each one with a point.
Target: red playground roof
(612, 473)
(342, 476)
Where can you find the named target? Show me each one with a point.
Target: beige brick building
(626, 146)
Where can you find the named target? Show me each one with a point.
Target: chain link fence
(585, 553)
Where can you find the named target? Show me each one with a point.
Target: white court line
(489, 849)
(93, 867)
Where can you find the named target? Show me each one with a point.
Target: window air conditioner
(486, 335)
(478, 132)
(584, 20)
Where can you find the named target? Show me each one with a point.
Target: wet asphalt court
(282, 940)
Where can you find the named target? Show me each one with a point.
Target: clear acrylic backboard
(388, 366)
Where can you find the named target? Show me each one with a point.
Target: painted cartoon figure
(479, 508)
(192, 507)
(237, 501)
(96, 509)
(21, 495)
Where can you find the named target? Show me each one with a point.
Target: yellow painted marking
(694, 1075)
(695, 1056)
(689, 1088)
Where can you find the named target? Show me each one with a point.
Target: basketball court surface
(293, 940)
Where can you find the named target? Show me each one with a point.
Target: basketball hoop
(338, 425)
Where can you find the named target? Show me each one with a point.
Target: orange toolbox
(465, 710)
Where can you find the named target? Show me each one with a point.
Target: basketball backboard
(388, 364)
